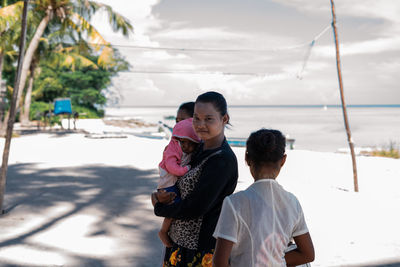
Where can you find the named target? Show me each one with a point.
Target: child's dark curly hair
(265, 146)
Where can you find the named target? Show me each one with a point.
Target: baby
(176, 157)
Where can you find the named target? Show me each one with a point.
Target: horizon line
(272, 106)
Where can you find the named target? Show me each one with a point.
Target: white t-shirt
(260, 221)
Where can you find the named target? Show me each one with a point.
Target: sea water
(318, 128)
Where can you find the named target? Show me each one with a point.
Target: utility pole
(346, 121)
(11, 119)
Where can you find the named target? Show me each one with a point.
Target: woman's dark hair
(188, 107)
(265, 146)
(216, 99)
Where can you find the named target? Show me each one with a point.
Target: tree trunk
(3, 123)
(10, 122)
(24, 117)
(30, 52)
(2, 104)
(346, 120)
(5, 114)
(1, 63)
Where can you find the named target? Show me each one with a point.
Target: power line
(196, 72)
(255, 74)
(219, 50)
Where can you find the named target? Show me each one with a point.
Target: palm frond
(79, 24)
(116, 20)
(69, 62)
(11, 53)
(106, 58)
(83, 61)
(9, 15)
(87, 8)
(13, 10)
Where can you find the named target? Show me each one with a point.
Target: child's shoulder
(239, 198)
(292, 199)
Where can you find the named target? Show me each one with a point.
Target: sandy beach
(73, 200)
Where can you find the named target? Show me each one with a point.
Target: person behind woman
(212, 177)
(256, 225)
(185, 111)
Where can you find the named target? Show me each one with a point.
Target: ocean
(317, 128)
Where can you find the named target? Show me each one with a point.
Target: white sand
(76, 201)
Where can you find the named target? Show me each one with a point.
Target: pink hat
(184, 129)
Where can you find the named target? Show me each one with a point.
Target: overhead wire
(308, 53)
(299, 75)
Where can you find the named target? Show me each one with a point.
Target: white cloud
(383, 9)
(388, 9)
(308, 5)
(149, 86)
(390, 66)
(139, 13)
(161, 55)
(374, 46)
(279, 84)
(200, 34)
(134, 10)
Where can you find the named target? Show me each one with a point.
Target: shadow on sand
(114, 191)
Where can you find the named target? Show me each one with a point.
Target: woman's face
(207, 121)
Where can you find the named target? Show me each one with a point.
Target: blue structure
(62, 106)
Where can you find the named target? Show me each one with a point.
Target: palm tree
(9, 30)
(69, 57)
(24, 117)
(72, 15)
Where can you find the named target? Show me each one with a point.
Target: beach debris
(128, 123)
(105, 135)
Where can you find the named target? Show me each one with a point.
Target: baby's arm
(174, 168)
(172, 160)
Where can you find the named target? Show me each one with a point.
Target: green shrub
(87, 113)
(390, 151)
(39, 111)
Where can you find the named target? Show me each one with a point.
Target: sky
(256, 52)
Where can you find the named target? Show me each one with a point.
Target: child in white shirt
(256, 225)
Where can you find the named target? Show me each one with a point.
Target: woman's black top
(212, 177)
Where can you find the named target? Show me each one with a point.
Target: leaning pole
(346, 121)
(11, 119)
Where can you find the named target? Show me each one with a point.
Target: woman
(212, 177)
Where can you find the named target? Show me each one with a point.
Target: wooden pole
(346, 121)
(11, 119)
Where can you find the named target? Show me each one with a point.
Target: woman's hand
(154, 198)
(166, 197)
(163, 197)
